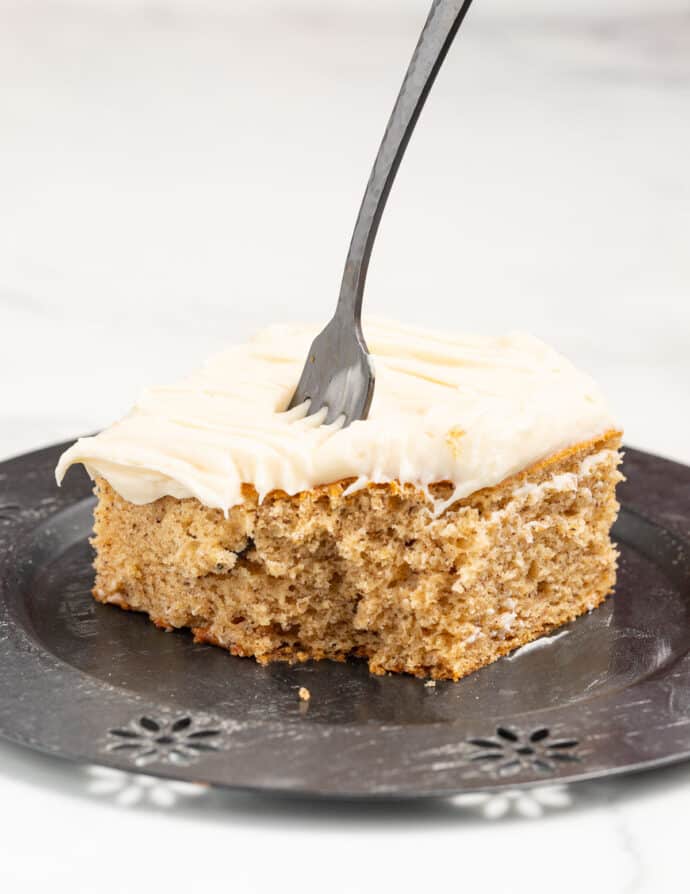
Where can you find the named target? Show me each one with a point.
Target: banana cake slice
(468, 515)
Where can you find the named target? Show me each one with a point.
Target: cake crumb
(304, 693)
(430, 684)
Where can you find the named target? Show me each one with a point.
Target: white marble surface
(173, 174)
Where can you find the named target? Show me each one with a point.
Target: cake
(468, 515)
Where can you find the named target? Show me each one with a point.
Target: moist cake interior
(375, 573)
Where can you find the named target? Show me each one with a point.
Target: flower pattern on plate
(179, 740)
(511, 751)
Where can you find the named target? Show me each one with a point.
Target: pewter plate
(609, 693)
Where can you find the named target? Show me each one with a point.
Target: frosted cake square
(468, 515)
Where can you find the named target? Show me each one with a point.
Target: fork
(338, 374)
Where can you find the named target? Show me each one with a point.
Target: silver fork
(338, 373)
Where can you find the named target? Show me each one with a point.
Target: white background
(175, 174)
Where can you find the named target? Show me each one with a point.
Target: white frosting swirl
(467, 409)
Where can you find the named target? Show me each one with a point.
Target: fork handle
(445, 17)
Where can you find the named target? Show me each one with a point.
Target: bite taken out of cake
(468, 515)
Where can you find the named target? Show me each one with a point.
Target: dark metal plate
(610, 693)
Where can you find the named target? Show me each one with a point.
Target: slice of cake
(469, 514)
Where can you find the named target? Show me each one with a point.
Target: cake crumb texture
(373, 573)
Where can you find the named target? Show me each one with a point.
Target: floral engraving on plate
(511, 751)
(177, 740)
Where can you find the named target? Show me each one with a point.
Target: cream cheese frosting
(468, 409)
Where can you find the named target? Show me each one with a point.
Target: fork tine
(338, 376)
